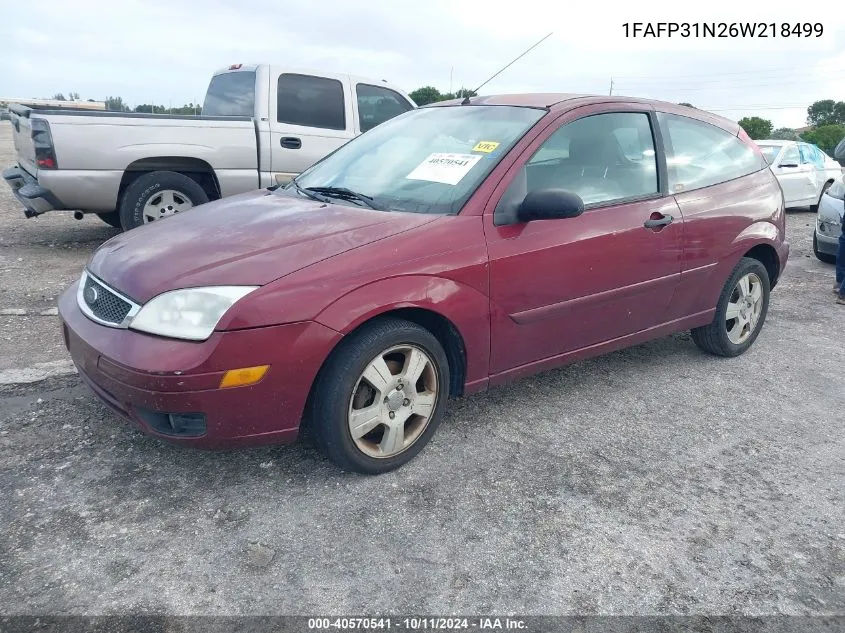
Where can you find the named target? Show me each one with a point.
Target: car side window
(603, 158)
(377, 104)
(790, 156)
(699, 154)
(311, 101)
(817, 156)
(806, 153)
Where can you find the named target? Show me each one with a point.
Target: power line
(742, 81)
(834, 63)
(710, 88)
(753, 108)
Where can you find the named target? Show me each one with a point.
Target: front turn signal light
(243, 376)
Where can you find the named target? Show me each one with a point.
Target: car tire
(343, 396)
(824, 257)
(815, 207)
(144, 192)
(721, 337)
(112, 219)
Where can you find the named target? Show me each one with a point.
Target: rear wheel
(112, 219)
(158, 195)
(380, 397)
(824, 257)
(740, 312)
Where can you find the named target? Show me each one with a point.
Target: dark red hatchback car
(448, 250)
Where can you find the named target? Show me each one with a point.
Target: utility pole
(451, 72)
(611, 86)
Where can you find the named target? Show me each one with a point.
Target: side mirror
(550, 204)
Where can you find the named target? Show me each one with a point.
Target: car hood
(248, 239)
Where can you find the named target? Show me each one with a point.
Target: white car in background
(803, 170)
(829, 222)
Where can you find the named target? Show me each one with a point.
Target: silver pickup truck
(260, 125)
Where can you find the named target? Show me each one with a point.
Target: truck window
(231, 94)
(377, 104)
(311, 101)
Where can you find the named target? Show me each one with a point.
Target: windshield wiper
(308, 193)
(343, 193)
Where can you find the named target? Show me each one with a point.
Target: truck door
(310, 117)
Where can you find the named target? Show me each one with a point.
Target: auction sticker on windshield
(485, 146)
(446, 168)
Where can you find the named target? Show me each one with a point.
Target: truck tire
(112, 218)
(158, 195)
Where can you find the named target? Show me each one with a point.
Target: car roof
(568, 100)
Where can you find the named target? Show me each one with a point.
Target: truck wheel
(112, 219)
(158, 195)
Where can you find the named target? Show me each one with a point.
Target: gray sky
(165, 51)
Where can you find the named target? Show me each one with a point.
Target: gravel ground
(656, 480)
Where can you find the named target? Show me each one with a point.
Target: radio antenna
(466, 98)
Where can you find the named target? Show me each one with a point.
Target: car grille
(102, 303)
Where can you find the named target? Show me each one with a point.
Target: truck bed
(94, 149)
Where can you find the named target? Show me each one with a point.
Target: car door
(793, 177)
(562, 285)
(310, 116)
(815, 171)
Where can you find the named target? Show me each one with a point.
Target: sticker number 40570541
(448, 169)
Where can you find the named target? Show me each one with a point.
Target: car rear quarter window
(377, 104)
(231, 94)
(311, 101)
(699, 154)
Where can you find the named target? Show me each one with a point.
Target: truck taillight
(42, 140)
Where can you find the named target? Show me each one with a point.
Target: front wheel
(158, 195)
(740, 312)
(380, 397)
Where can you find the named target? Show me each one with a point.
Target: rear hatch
(22, 137)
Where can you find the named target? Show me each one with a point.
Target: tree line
(117, 104)
(826, 119)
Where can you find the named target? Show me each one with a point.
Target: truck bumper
(35, 198)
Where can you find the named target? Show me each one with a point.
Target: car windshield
(770, 152)
(429, 160)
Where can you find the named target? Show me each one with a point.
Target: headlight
(837, 190)
(191, 313)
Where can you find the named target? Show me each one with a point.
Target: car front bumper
(829, 224)
(171, 388)
(35, 198)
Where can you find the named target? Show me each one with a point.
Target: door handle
(290, 142)
(657, 220)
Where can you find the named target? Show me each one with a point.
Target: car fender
(465, 307)
(761, 233)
